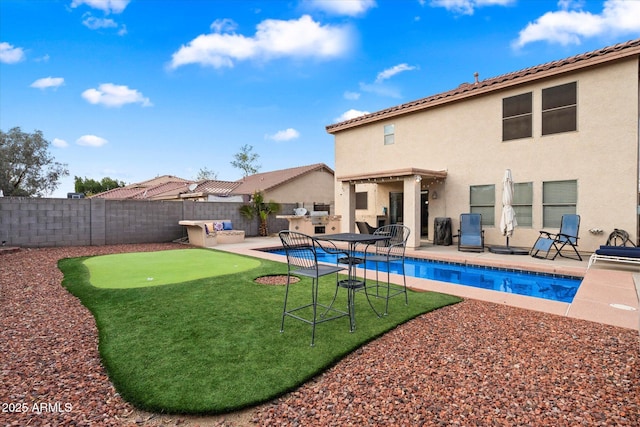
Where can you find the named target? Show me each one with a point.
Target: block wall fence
(40, 222)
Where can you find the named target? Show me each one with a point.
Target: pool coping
(608, 293)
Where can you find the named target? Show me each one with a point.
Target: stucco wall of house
(465, 139)
(313, 187)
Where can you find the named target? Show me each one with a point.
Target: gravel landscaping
(470, 364)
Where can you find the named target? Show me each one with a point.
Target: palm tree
(258, 207)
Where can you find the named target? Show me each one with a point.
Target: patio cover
(392, 175)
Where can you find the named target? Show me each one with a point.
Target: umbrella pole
(507, 240)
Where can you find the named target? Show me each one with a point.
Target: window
(517, 117)
(389, 134)
(558, 198)
(483, 201)
(361, 200)
(523, 203)
(559, 109)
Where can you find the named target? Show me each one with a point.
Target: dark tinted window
(517, 117)
(559, 109)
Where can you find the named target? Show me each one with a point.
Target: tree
(245, 160)
(26, 167)
(206, 174)
(89, 186)
(258, 207)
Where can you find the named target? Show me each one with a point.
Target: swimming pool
(540, 285)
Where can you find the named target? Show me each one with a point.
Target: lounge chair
(621, 254)
(365, 228)
(551, 244)
(471, 234)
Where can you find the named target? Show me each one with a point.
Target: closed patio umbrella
(508, 219)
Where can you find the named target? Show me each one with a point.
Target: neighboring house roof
(467, 90)
(164, 191)
(269, 180)
(151, 189)
(160, 180)
(168, 187)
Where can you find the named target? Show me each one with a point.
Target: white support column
(412, 210)
(348, 220)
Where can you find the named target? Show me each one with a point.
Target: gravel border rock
(470, 364)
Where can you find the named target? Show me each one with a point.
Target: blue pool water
(540, 285)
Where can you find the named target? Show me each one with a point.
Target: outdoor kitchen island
(313, 224)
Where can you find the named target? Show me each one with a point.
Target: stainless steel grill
(319, 220)
(319, 217)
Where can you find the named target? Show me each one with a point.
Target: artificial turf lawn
(162, 268)
(213, 345)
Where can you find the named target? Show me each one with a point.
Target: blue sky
(133, 89)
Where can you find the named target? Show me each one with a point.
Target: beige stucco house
(309, 186)
(568, 130)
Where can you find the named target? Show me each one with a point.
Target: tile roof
(161, 180)
(119, 193)
(466, 90)
(164, 190)
(169, 187)
(153, 189)
(269, 180)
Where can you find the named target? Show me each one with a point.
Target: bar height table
(352, 283)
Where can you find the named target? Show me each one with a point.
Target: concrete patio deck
(608, 293)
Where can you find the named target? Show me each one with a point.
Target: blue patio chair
(302, 260)
(549, 245)
(471, 234)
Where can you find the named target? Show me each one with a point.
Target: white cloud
(467, 7)
(570, 26)
(390, 72)
(284, 135)
(380, 89)
(111, 95)
(10, 54)
(60, 143)
(351, 114)
(47, 82)
(343, 7)
(94, 23)
(301, 38)
(91, 141)
(223, 25)
(107, 6)
(351, 96)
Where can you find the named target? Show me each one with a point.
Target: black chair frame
(557, 241)
(388, 251)
(302, 260)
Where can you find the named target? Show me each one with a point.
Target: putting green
(141, 269)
